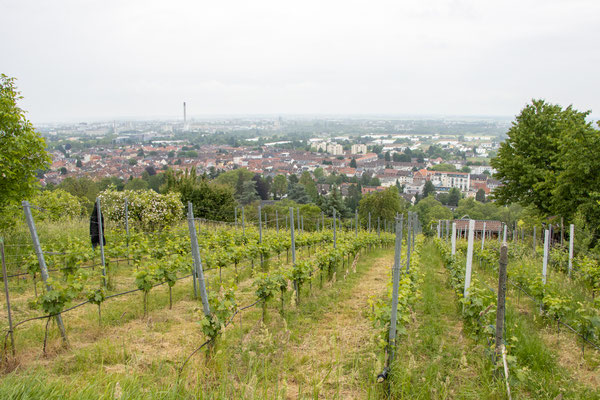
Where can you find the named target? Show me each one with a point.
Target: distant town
(406, 153)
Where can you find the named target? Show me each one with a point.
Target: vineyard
(206, 309)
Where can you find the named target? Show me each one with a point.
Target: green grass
(436, 360)
(538, 373)
(250, 360)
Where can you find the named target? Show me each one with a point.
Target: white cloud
(105, 59)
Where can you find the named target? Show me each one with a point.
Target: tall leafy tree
(22, 151)
(104, 183)
(334, 201)
(550, 162)
(249, 193)
(428, 189)
(235, 179)
(353, 198)
(81, 187)
(319, 174)
(430, 210)
(454, 197)
(297, 193)
(136, 184)
(309, 185)
(529, 161)
(210, 200)
(262, 186)
(480, 195)
(577, 187)
(384, 204)
(279, 186)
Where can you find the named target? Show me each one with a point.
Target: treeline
(216, 194)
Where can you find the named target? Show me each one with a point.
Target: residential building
(359, 149)
(335, 149)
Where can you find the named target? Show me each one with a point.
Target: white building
(460, 180)
(479, 169)
(335, 149)
(359, 149)
(320, 146)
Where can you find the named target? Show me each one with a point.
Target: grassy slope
(318, 348)
(553, 363)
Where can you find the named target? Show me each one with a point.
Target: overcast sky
(91, 60)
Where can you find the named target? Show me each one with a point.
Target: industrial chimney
(184, 116)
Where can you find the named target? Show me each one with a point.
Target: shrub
(146, 208)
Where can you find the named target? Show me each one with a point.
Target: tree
(262, 187)
(22, 153)
(249, 193)
(453, 197)
(155, 181)
(293, 179)
(57, 205)
(530, 160)
(145, 207)
(334, 201)
(309, 185)
(136, 184)
(577, 188)
(550, 161)
(376, 149)
(388, 157)
(383, 205)
(132, 161)
(430, 210)
(443, 167)
(279, 186)
(353, 163)
(477, 210)
(397, 157)
(365, 179)
(297, 193)
(78, 163)
(480, 195)
(105, 183)
(210, 200)
(63, 171)
(235, 178)
(150, 170)
(319, 174)
(428, 189)
(353, 198)
(82, 187)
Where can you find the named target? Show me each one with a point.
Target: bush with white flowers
(147, 208)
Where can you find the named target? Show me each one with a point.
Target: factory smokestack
(184, 116)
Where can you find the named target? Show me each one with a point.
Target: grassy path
(436, 360)
(340, 353)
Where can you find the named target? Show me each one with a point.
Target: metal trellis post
(40, 256)
(197, 260)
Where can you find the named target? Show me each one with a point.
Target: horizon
(294, 117)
